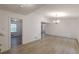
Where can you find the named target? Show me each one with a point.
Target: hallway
(16, 41)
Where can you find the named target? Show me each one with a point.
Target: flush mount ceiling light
(25, 5)
(59, 14)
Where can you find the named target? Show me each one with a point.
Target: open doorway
(43, 29)
(15, 32)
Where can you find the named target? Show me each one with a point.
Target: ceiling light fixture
(56, 15)
(25, 5)
(56, 20)
(59, 14)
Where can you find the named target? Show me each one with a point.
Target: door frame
(9, 30)
(42, 28)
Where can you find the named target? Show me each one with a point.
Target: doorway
(43, 29)
(15, 32)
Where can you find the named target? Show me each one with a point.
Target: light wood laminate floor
(48, 45)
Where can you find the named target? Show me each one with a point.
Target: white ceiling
(71, 9)
(27, 8)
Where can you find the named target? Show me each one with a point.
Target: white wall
(31, 27)
(4, 28)
(67, 28)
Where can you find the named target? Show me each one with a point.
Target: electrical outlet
(35, 37)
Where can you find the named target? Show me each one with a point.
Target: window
(13, 28)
